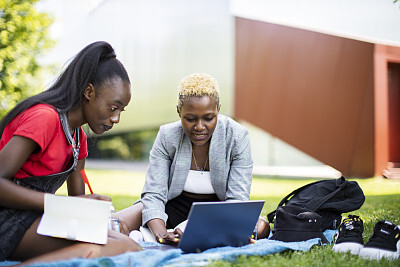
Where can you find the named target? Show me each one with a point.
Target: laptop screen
(217, 224)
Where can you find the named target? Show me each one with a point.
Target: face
(199, 116)
(104, 105)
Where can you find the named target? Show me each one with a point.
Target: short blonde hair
(198, 84)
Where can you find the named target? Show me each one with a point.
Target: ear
(218, 107)
(89, 91)
(178, 110)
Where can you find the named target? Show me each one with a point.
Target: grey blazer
(230, 163)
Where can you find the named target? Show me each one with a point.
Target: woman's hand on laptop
(157, 227)
(169, 238)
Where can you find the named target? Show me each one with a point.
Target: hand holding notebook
(75, 218)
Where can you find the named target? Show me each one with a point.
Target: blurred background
(316, 82)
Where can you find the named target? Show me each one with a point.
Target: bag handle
(315, 202)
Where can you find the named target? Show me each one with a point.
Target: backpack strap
(316, 202)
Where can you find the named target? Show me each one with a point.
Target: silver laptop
(219, 224)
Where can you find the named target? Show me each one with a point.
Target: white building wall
(161, 41)
(158, 41)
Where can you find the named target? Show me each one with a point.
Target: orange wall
(383, 55)
(312, 90)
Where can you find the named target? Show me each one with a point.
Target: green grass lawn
(382, 203)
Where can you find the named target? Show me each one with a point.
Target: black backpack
(328, 198)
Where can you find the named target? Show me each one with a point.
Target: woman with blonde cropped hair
(205, 156)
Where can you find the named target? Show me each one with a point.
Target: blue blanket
(175, 257)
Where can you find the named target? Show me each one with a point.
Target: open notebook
(216, 224)
(75, 218)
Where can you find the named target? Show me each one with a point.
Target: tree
(23, 37)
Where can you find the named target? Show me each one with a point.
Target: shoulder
(230, 127)
(171, 130)
(40, 123)
(41, 112)
(233, 136)
(43, 108)
(169, 137)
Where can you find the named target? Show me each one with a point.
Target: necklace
(197, 167)
(67, 131)
(75, 144)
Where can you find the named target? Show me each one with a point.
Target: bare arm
(12, 157)
(75, 183)
(76, 186)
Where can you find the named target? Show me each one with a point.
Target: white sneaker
(384, 242)
(349, 238)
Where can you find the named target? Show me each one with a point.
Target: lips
(198, 136)
(106, 128)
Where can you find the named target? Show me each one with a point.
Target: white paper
(75, 218)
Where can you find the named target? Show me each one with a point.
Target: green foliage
(125, 146)
(23, 36)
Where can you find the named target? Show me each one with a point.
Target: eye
(208, 118)
(113, 109)
(190, 119)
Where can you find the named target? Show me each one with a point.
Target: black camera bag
(329, 198)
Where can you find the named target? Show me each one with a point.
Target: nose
(199, 125)
(115, 118)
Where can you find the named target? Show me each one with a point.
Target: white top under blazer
(199, 182)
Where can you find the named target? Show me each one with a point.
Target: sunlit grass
(113, 182)
(130, 183)
(281, 187)
(123, 184)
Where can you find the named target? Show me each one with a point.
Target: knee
(130, 244)
(131, 218)
(123, 242)
(263, 228)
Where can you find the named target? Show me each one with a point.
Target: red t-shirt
(41, 123)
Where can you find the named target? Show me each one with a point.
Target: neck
(201, 149)
(200, 156)
(75, 119)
